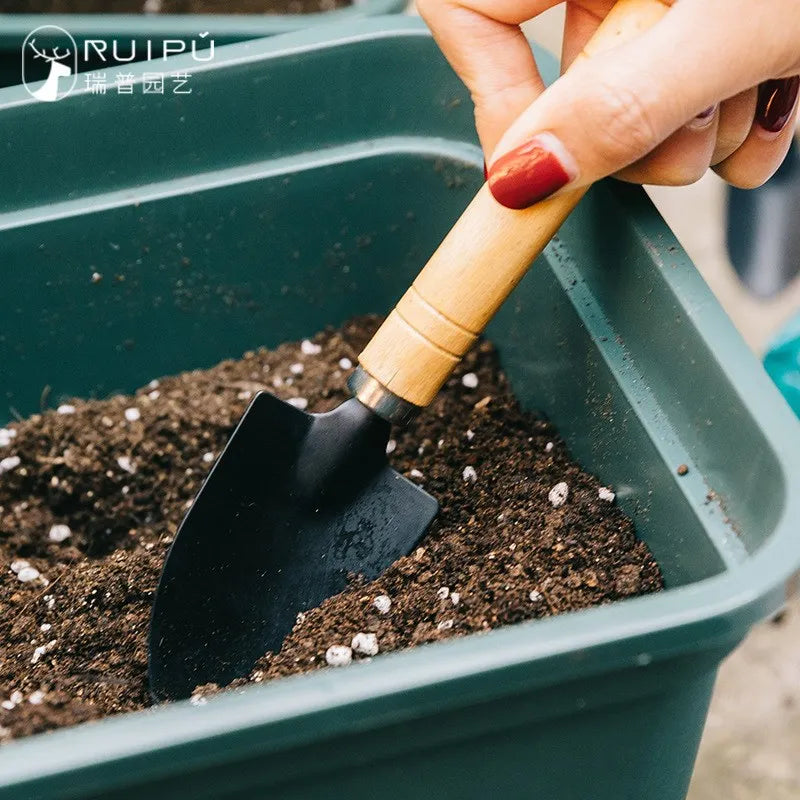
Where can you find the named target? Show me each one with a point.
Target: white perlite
(338, 655)
(443, 592)
(28, 574)
(42, 650)
(382, 603)
(445, 625)
(391, 446)
(298, 402)
(17, 564)
(125, 463)
(455, 598)
(7, 464)
(470, 380)
(208, 458)
(604, 493)
(548, 447)
(6, 435)
(365, 644)
(14, 699)
(154, 395)
(58, 533)
(133, 414)
(535, 596)
(470, 435)
(415, 473)
(469, 474)
(296, 369)
(45, 626)
(65, 408)
(36, 698)
(308, 348)
(345, 363)
(558, 494)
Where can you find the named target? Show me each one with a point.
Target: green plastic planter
(307, 179)
(156, 28)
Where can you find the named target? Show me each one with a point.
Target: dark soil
(74, 638)
(169, 6)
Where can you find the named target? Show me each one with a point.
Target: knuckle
(622, 122)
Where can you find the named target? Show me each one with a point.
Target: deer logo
(61, 59)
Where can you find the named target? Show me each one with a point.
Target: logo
(49, 53)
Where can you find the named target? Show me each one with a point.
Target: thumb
(610, 110)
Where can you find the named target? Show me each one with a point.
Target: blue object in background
(782, 362)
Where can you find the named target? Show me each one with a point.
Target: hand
(714, 83)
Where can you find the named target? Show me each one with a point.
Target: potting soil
(92, 493)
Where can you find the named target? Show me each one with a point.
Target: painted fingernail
(776, 101)
(704, 118)
(531, 172)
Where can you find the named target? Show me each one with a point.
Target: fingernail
(776, 101)
(704, 118)
(531, 172)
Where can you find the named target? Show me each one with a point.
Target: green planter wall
(156, 28)
(288, 156)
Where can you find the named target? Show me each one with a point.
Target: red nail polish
(776, 101)
(527, 174)
(485, 171)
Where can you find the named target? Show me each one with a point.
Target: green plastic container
(156, 28)
(307, 179)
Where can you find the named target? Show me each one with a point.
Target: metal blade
(295, 504)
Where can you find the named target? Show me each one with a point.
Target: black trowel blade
(295, 503)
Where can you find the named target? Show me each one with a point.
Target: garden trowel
(298, 502)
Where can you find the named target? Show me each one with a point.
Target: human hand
(714, 83)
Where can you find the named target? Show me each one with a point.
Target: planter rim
(227, 26)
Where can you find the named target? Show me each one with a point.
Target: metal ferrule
(378, 398)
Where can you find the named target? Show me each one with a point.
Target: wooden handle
(477, 265)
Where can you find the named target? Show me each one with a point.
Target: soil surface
(169, 6)
(91, 495)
